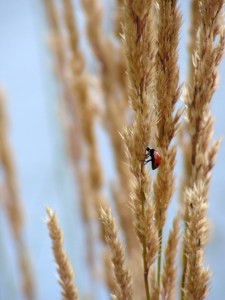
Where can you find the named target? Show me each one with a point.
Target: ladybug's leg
(147, 161)
(147, 155)
(144, 160)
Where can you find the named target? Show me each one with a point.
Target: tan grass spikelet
(154, 289)
(108, 272)
(119, 18)
(109, 58)
(140, 53)
(193, 31)
(57, 46)
(26, 270)
(137, 44)
(121, 60)
(72, 122)
(206, 59)
(121, 273)
(71, 118)
(152, 240)
(80, 89)
(167, 93)
(169, 267)
(184, 139)
(65, 272)
(13, 205)
(196, 235)
(184, 143)
(122, 206)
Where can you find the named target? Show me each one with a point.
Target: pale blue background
(43, 171)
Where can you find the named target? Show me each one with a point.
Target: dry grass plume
(65, 272)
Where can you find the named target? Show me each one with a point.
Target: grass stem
(144, 258)
(144, 252)
(159, 260)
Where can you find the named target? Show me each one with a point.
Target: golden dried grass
(65, 272)
(13, 206)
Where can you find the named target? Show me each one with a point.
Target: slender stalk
(146, 282)
(159, 259)
(144, 253)
(184, 263)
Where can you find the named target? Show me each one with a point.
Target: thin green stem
(159, 260)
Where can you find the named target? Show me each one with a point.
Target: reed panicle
(114, 85)
(169, 267)
(72, 124)
(193, 31)
(154, 288)
(119, 18)
(140, 53)
(109, 276)
(80, 89)
(13, 205)
(196, 235)
(55, 35)
(121, 273)
(72, 118)
(206, 58)
(64, 269)
(167, 94)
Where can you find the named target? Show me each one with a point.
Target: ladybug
(153, 156)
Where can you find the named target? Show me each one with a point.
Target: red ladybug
(153, 156)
